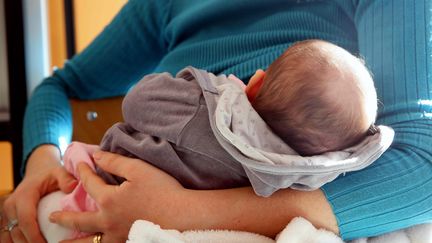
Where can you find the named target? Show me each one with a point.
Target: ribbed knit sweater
(393, 36)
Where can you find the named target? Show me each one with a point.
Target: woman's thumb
(66, 182)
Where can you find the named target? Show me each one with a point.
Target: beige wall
(6, 179)
(91, 16)
(57, 34)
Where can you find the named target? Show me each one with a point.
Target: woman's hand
(148, 193)
(44, 174)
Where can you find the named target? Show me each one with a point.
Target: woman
(394, 37)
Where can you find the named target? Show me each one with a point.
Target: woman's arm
(157, 197)
(129, 47)
(244, 210)
(394, 38)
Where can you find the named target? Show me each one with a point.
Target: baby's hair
(317, 98)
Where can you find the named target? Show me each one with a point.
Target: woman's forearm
(44, 157)
(241, 209)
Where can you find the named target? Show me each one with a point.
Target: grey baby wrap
(201, 129)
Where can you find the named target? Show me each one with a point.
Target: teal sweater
(393, 36)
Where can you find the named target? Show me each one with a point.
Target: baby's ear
(255, 84)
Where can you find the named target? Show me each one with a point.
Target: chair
(92, 118)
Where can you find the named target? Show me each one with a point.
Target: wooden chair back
(92, 118)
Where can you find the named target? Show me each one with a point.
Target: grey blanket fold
(201, 129)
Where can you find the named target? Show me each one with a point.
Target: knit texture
(393, 36)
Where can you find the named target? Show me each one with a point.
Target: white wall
(4, 87)
(36, 42)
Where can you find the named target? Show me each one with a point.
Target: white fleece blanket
(298, 230)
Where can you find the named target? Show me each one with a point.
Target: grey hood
(270, 163)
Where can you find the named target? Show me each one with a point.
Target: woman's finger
(59, 178)
(80, 221)
(17, 235)
(92, 183)
(66, 182)
(91, 239)
(9, 213)
(27, 220)
(88, 239)
(115, 164)
(5, 236)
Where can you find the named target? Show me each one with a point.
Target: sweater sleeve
(395, 192)
(129, 47)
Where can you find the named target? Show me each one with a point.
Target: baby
(299, 124)
(316, 96)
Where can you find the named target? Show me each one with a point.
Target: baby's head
(316, 96)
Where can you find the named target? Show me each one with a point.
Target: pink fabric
(78, 200)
